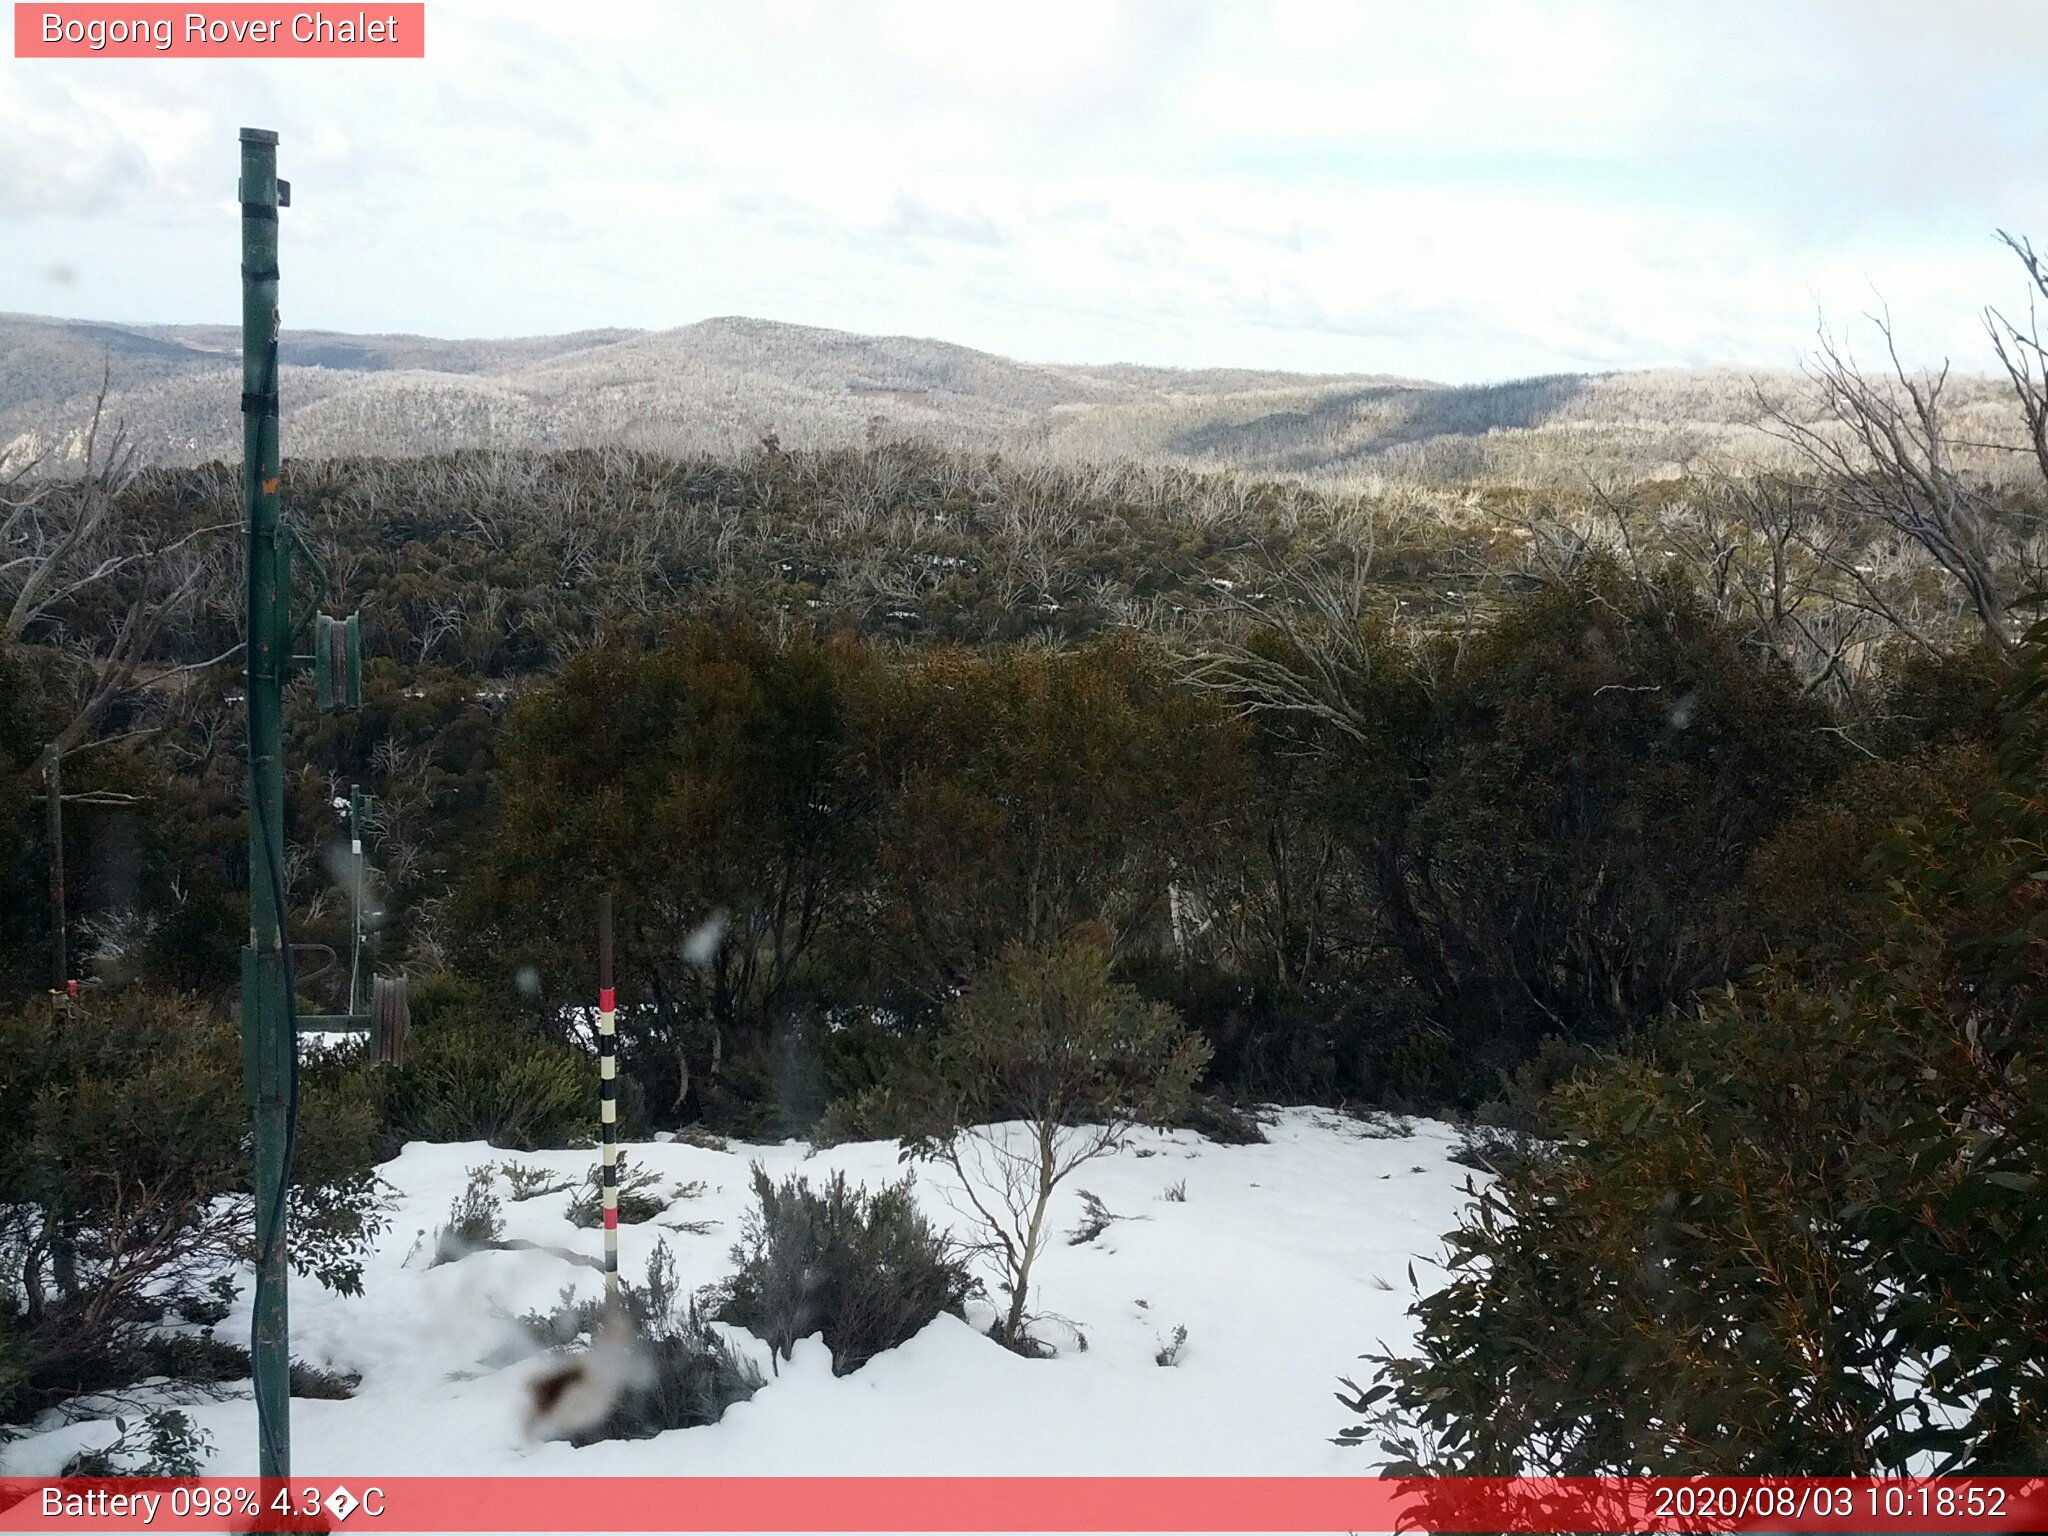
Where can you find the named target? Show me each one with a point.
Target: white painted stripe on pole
(607, 1066)
(611, 1153)
(608, 1112)
(606, 1021)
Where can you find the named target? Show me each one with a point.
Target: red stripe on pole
(604, 999)
(1002, 1504)
(611, 1217)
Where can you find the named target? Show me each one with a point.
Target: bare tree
(1045, 1065)
(2021, 351)
(58, 543)
(1320, 646)
(1884, 447)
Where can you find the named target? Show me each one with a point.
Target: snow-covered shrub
(317, 1382)
(667, 1367)
(861, 1267)
(1220, 1121)
(1095, 1219)
(161, 1444)
(639, 1199)
(530, 1181)
(475, 1220)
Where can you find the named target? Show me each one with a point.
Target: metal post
(355, 855)
(269, 1043)
(608, 1095)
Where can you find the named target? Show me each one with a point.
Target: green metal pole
(269, 1044)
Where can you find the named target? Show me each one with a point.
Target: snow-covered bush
(165, 1443)
(657, 1362)
(861, 1267)
(476, 1219)
(640, 1198)
(530, 1181)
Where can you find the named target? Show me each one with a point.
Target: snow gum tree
(1043, 1065)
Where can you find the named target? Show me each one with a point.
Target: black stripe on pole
(608, 1095)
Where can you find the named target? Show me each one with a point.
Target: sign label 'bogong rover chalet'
(115, 31)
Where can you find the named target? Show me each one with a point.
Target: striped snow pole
(608, 1094)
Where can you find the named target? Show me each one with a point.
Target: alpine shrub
(863, 1268)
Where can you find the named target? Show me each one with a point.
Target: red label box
(259, 31)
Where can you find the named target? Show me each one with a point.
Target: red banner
(102, 31)
(1195, 1504)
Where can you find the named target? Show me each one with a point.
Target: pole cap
(259, 136)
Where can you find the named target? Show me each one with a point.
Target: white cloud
(1462, 191)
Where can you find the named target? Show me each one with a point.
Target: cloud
(60, 156)
(1463, 191)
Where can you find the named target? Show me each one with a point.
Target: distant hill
(724, 384)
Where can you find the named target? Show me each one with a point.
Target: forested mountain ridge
(728, 383)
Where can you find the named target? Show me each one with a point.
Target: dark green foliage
(861, 1267)
(1800, 892)
(603, 668)
(1023, 793)
(1048, 1036)
(123, 1188)
(1802, 1231)
(711, 778)
(483, 1073)
(1598, 767)
(165, 1443)
(24, 727)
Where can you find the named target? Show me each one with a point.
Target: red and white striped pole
(608, 1094)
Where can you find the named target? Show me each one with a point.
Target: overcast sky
(1458, 191)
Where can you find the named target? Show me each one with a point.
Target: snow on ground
(1284, 1263)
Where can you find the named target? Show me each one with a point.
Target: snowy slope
(1284, 1263)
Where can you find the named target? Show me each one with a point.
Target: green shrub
(862, 1268)
(469, 1076)
(124, 1189)
(874, 1114)
(1050, 1039)
(165, 1443)
(1801, 1232)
